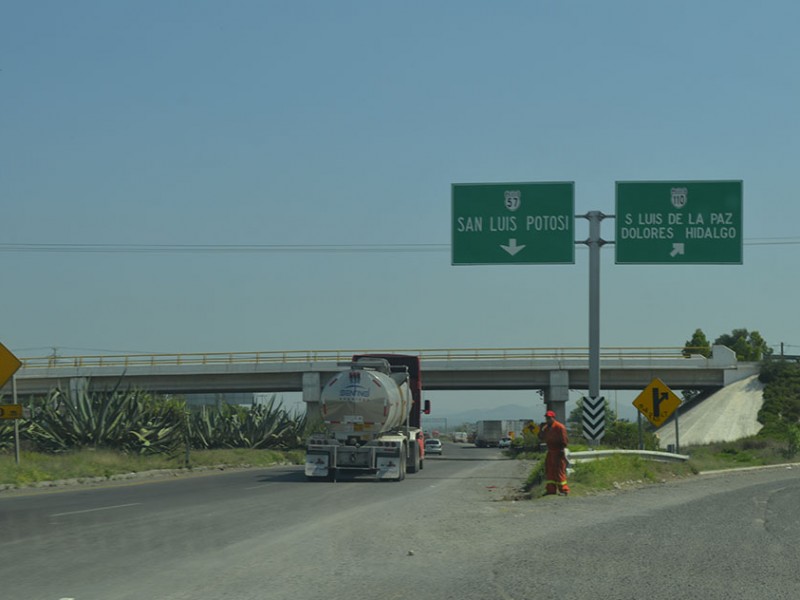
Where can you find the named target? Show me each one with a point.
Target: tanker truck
(371, 417)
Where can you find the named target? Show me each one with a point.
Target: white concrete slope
(727, 415)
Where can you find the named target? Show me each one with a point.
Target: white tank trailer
(371, 415)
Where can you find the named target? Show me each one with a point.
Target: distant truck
(489, 433)
(460, 437)
(371, 415)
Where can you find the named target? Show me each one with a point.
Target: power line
(772, 241)
(275, 248)
(221, 248)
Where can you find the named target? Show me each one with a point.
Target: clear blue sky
(317, 123)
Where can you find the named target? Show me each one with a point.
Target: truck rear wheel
(402, 466)
(416, 465)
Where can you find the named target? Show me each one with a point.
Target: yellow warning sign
(531, 428)
(657, 402)
(10, 411)
(8, 364)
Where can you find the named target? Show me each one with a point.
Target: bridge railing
(310, 356)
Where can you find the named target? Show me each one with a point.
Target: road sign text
(697, 222)
(513, 223)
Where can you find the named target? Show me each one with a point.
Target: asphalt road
(441, 533)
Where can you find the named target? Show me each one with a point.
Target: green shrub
(625, 435)
(793, 441)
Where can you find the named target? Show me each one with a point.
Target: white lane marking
(88, 510)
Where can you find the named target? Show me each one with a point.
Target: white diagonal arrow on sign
(677, 248)
(512, 247)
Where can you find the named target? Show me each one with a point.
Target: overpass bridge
(553, 370)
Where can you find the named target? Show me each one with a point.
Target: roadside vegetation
(87, 465)
(121, 432)
(630, 471)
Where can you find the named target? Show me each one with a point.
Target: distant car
(504, 443)
(433, 446)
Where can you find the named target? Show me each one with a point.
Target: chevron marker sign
(594, 418)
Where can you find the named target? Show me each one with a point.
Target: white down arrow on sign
(512, 247)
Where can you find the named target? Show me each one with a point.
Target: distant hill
(507, 411)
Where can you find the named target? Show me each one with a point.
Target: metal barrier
(311, 356)
(578, 457)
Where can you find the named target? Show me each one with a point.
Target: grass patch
(619, 471)
(36, 467)
(625, 471)
(612, 473)
(749, 452)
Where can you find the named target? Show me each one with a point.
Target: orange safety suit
(554, 434)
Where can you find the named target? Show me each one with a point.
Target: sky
(213, 176)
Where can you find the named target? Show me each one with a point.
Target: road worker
(554, 434)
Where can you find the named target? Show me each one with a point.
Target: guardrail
(297, 356)
(578, 457)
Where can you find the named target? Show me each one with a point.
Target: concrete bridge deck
(443, 369)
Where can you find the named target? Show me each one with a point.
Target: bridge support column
(556, 394)
(78, 386)
(312, 394)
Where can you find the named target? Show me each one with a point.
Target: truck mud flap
(388, 467)
(318, 466)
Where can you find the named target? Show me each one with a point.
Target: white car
(433, 446)
(504, 443)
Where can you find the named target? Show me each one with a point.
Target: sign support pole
(641, 432)
(16, 421)
(595, 242)
(594, 301)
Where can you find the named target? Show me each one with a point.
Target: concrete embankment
(727, 415)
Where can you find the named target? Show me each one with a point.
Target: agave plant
(206, 427)
(259, 426)
(6, 435)
(138, 422)
(132, 421)
(161, 430)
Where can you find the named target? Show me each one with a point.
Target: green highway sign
(679, 222)
(513, 223)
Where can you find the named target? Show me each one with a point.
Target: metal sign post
(594, 416)
(16, 421)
